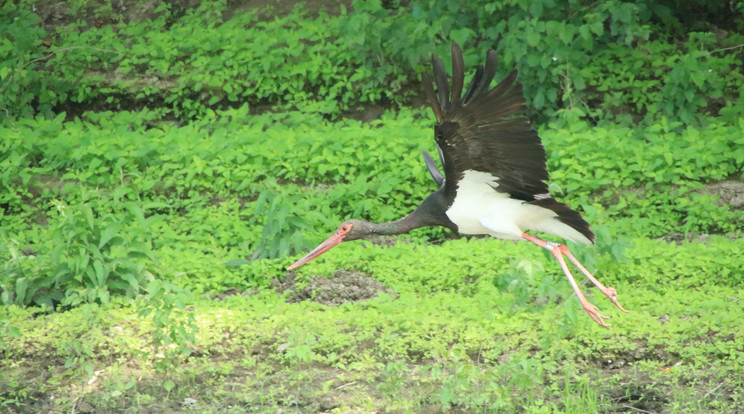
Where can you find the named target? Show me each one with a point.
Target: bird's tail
(568, 216)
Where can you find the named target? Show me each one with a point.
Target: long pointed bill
(330, 243)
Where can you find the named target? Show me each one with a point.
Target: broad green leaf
(108, 233)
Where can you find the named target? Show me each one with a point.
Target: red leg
(610, 292)
(558, 251)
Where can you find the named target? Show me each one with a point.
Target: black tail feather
(566, 215)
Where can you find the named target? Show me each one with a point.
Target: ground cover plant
(155, 187)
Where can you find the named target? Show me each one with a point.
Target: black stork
(495, 177)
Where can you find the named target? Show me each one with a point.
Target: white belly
(479, 209)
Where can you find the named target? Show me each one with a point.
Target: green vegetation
(611, 61)
(155, 185)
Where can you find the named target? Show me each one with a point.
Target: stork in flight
(495, 177)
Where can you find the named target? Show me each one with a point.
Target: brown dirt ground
(343, 287)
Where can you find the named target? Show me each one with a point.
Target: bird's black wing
(486, 130)
(431, 165)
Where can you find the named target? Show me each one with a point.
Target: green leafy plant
(283, 233)
(21, 52)
(586, 60)
(174, 326)
(95, 257)
(94, 254)
(617, 60)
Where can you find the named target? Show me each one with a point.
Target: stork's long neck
(400, 226)
(431, 212)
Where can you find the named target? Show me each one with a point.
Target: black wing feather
(473, 83)
(487, 131)
(458, 74)
(431, 165)
(488, 73)
(431, 98)
(440, 76)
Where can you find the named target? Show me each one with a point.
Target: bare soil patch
(730, 192)
(344, 286)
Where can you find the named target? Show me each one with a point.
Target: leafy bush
(651, 175)
(608, 60)
(658, 78)
(290, 60)
(93, 251)
(282, 232)
(23, 88)
(616, 60)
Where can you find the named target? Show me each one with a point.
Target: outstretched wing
(486, 130)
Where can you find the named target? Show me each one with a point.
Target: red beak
(330, 243)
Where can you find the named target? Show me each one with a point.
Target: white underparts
(479, 208)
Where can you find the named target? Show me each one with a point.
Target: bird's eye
(345, 228)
